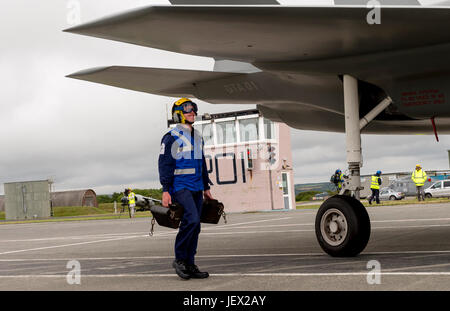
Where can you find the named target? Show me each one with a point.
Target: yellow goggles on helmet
(182, 106)
(185, 105)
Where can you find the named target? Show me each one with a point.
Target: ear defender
(178, 117)
(175, 117)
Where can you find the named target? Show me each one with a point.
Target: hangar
(86, 197)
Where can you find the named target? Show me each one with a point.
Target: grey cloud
(80, 134)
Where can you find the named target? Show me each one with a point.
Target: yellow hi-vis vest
(341, 179)
(131, 199)
(419, 177)
(375, 184)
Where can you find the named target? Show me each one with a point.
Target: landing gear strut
(342, 223)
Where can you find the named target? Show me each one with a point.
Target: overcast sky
(85, 135)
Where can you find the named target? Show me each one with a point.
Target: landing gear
(342, 223)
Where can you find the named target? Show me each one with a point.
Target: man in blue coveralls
(184, 177)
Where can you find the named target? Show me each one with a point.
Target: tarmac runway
(409, 249)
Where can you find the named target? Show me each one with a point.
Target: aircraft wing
(273, 33)
(295, 57)
(166, 82)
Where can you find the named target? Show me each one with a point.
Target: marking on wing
(422, 97)
(247, 86)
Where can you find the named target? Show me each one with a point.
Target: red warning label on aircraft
(423, 97)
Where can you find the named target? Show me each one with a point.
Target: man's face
(418, 168)
(190, 116)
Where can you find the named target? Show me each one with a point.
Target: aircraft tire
(342, 226)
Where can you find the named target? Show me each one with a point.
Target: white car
(390, 194)
(438, 189)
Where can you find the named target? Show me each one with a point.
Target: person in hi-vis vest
(131, 200)
(338, 179)
(375, 187)
(184, 177)
(419, 177)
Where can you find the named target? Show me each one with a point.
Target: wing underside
(295, 109)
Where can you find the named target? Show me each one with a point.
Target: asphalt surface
(254, 251)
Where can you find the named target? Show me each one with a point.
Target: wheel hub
(334, 227)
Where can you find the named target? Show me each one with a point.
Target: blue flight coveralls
(183, 173)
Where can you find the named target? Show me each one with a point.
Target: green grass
(102, 209)
(106, 211)
(406, 202)
(388, 203)
(74, 213)
(70, 211)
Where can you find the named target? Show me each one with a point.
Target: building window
(226, 132)
(285, 183)
(248, 129)
(268, 129)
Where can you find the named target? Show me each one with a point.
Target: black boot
(195, 273)
(181, 269)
